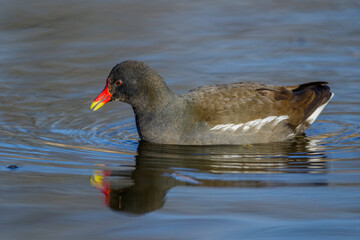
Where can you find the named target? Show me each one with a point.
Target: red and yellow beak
(103, 98)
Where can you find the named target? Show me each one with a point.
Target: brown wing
(243, 102)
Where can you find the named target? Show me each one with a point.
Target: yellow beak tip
(99, 105)
(93, 105)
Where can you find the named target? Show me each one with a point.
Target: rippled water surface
(69, 173)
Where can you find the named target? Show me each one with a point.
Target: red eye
(118, 82)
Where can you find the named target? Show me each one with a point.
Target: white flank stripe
(235, 127)
(246, 128)
(279, 119)
(258, 123)
(266, 120)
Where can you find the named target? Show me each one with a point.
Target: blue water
(79, 174)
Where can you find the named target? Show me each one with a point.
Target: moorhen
(235, 113)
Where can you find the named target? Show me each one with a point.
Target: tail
(312, 98)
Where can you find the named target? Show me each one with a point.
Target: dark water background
(84, 175)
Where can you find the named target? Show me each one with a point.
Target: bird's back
(241, 113)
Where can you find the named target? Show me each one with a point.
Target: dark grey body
(175, 124)
(238, 113)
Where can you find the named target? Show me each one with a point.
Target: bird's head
(131, 82)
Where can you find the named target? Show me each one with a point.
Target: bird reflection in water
(142, 188)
